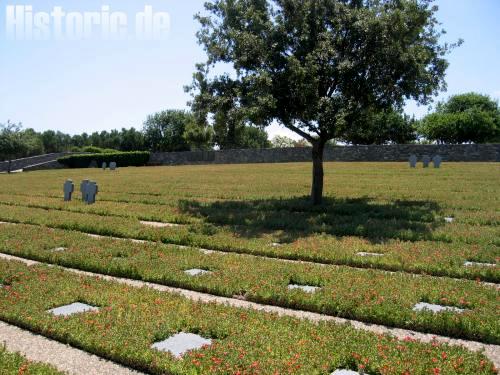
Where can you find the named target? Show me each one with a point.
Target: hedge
(122, 159)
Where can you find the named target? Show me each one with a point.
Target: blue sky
(93, 85)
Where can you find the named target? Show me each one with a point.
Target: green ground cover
(15, 364)
(431, 257)
(372, 296)
(129, 320)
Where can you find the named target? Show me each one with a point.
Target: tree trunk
(318, 174)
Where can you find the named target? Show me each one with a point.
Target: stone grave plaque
(345, 372)
(104, 166)
(197, 272)
(424, 306)
(363, 254)
(413, 161)
(59, 249)
(181, 343)
(449, 219)
(74, 308)
(69, 188)
(112, 166)
(479, 264)
(305, 288)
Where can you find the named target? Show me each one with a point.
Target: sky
(80, 85)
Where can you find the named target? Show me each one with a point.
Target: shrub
(122, 159)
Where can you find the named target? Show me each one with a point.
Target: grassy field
(258, 215)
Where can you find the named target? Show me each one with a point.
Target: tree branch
(300, 132)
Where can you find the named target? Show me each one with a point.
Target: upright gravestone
(413, 161)
(93, 164)
(83, 189)
(437, 160)
(104, 166)
(69, 188)
(92, 190)
(426, 161)
(112, 165)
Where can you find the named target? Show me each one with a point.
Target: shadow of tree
(296, 217)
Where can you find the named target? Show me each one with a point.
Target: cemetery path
(490, 351)
(63, 357)
(277, 259)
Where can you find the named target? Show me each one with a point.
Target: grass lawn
(262, 210)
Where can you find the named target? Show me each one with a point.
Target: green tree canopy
(164, 131)
(315, 66)
(462, 119)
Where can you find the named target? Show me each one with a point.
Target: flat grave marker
(479, 264)
(345, 372)
(449, 219)
(181, 343)
(363, 254)
(305, 288)
(74, 308)
(197, 272)
(156, 224)
(59, 249)
(424, 306)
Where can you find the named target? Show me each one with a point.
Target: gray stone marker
(83, 189)
(363, 254)
(91, 191)
(197, 271)
(437, 160)
(345, 372)
(479, 264)
(305, 288)
(423, 306)
(181, 343)
(104, 166)
(69, 188)
(413, 161)
(426, 160)
(59, 249)
(74, 308)
(449, 219)
(112, 166)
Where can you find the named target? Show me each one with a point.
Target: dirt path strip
(277, 259)
(491, 351)
(63, 357)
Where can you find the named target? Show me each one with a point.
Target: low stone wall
(31, 161)
(392, 153)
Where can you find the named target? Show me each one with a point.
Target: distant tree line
(467, 118)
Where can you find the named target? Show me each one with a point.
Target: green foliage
(123, 159)
(11, 142)
(462, 119)
(380, 127)
(199, 136)
(164, 131)
(287, 142)
(13, 363)
(315, 66)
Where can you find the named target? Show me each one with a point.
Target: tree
(11, 143)
(462, 119)
(314, 66)
(164, 131)
(281, 141)
(131, 140)
(380, 127)
(199, 136)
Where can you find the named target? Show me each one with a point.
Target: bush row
(122, 159)
(130, 320)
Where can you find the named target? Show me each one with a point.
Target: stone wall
(31, 161)
(393, 153)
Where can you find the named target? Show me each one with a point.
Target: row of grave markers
(426, 161)
(89, 190)
(112, 166)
